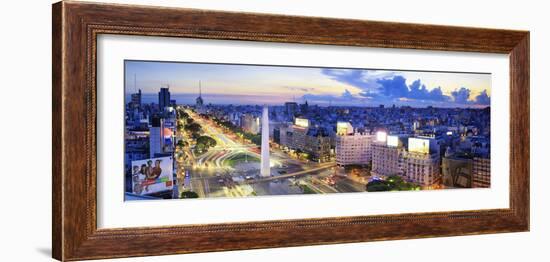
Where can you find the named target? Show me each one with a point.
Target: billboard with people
(152, 175)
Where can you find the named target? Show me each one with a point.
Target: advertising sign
(343, 128)
(152, 175)
(302, 122)
(392, 141)
(381, 136)
(419, 145)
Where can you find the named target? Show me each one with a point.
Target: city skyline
(254, 84)
(263, 134)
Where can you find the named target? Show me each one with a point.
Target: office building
(456, 172)
(136, 100)
(291, 109)
(199, 102)
(156, 137)
(250, 123)
(421, 163)
(164, 98)
(352, 148)
(481, 173)
(387, 158)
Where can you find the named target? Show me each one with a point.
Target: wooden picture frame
(76, 26)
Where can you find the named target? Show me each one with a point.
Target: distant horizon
(265, 84)
(148, 98)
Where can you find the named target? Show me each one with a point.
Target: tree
(199, 148)
(204, 143)
(183, 114)
(193, 127)
(377, 186)
(207, 141)
(181, 143)
(392, 183)
(256, 139)
(189, 194)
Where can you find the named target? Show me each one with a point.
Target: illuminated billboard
(392, 141)
(381, 136)
(152, 175)
(344, 128)
(419, 145)
(302, 122)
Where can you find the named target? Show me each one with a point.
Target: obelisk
(264, 163)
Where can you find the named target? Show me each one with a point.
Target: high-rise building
(481, 173)
(318, 145)
(344, 128)
(297, 139)
(352, 148)
(457, 172)
(136, 99)
(314, 141)
(291, 109)
(156, 137)
(421, 163)
(164, 98)
(250, 123)
(304, 107)
(285, 135)
(199, 102)
(387, 155)
(422, 168)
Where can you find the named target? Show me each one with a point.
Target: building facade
(135, 102)
(422, 168)
(456, 172)
(422, 162)
(353, 149)
(164, 98)
(318, 146)
(481, 173)
(315, 142)
(291, 109)
(156, 137)
(386, 160)
(250, 123)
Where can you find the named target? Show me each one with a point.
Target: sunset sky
(253, 84)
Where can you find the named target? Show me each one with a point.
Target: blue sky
(245, 84)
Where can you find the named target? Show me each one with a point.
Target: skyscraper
(265, 165)
(136, 99)
(291, 109)
(199, 102)
(164, 98)
(156, 137)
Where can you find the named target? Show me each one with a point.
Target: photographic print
(208, 130)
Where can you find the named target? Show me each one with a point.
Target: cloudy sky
(252, 84)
